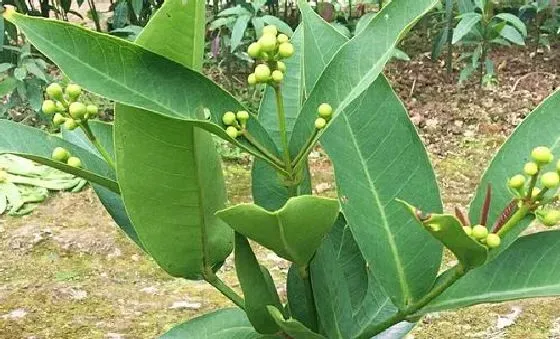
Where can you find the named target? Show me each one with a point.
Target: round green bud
(74, 162)
(286, 50)
(232, 132)
(517, 181)
(542, 155)
(468, 230)
(54, 91)
(254, 50)
(531, 168)
(268, 42)
(48, 107)
(60, 154)
(77, 110)
(70, 124)
(281, 66)
(325, 111)
(320, 123)
(60, 107)
(270, 29)
(282, 38)
(493, 240)
(229, 118)
(479, 232)
(58, 119)
(277, 76)
(550, 179)
(551, 218)
(535, 192)
(252, 79)
(3, 176)
(262, 73)
(92, 111)
(73, 91)
(242, 116)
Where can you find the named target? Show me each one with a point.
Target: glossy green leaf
(34, 144)
(255, 288)
(514, 21)
(292, 327)
(540, 128)
(298, 303)
(293, 232)
(511, 34)
(465, 26)
(238, 31)
(529, 268)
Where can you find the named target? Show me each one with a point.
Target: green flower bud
(54, 91)
(229, 118)
(493, 240)
(60, 154)
(58, 119)
(3, 176)
(48, 107)
(531, 168)
(535, 192)
(262, 73)
(542, 155)
(92, 111)
(277, 76)
(254, 50)
(517, 181)
(286, 50)
(281, 66)
(550, 179)
(77, 110)
(70, 124)
(479, 232)
(468, 230)
(74, 162)
(252, 79)
(270, 29)
(73, 91)
(232, 132)
(242, 116)
(60, 107)
(268, 43)
(320, 123)
(282, 38)
(551, 218)
(325, 111)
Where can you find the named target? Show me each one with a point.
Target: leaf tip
(8, 12)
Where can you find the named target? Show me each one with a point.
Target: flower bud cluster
(61, 154)
(270, 49)
(64, 107)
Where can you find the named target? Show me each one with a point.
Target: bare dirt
(67, 272)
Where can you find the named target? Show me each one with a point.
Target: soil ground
(67, 272)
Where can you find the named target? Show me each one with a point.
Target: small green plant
(364, 264)
(480, 30)
(545, 19)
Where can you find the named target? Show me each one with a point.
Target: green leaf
(465, 26)
(238, 31)
(7, 86)
(255, 288)
(6, 66)
(292, 327)
(370, 176)
(540, 127)
(293, 232)
(527, 269)
(297, 299)
(280, 25)
(447, 229)
(20, 73)
(137, 6)
(514, 21)
(511, 34)
(125, 72)
(439, 43)
(36, 145)
(103, 131)
(396, 331)
(364, 22)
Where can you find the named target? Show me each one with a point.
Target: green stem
(532, 185)
(282, 127)
(227, 291)
(264, 153)
(309, 298)
(515, 218)
(87, 131)
(305, 150)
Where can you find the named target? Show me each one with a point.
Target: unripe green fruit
(229, 118)
(493, 240)
(58, 119)
(542, 155)
(77, 110)
(243, 116)
(54, 91)
(268, 42)
(281, 66)
(277, 76)
(468, 230)
(517, 181)
(550, 179)
(74, 162)
(92, 111)
(73, 91)
(232, 132)
(270, 29)
(479, 232)
(282, 38)
(254, 50)
(286, 50)
(3, 176)
(60, 154)
(325, 111)
(262, 73)
(60, 107)
(551, 218)
(320, 123)
(531, 168)
(70, 124)
(48, 107)
(252, 79)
